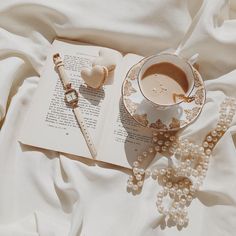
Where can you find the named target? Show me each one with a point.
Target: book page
(50, 124)
(124, 137)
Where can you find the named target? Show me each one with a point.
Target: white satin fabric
(45, 193)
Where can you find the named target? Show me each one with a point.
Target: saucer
(148, 116)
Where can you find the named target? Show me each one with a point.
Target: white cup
(177, 61)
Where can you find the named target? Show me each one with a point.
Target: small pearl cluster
(164, 141)
(181, 181)
(135, 181)
(227, 111)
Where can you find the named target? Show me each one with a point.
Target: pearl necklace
(181, 181)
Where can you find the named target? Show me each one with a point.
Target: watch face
(71, 96)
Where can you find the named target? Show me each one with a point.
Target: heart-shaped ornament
(94, 77)
(106, 58)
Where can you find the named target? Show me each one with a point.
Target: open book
(50, 124)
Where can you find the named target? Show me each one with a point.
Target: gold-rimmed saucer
(147, 115)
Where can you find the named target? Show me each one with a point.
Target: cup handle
(193, 59)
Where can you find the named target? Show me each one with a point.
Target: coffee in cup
(166, 80)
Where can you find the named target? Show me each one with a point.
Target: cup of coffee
(166, 80)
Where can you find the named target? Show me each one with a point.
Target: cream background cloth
(45, 193)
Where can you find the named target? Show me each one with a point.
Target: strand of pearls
(180, 182)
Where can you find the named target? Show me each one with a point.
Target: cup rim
(165, 53)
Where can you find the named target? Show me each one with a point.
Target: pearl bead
(166, 190)
(183, 165)
(209, 138)
(175, 218)
(135, 170)
(195, 173)
(148, 172)
(175, 204)
(161, 193)
(201, 150)
(171, 150)
(140, 158)
(166, 135)
(188, 162)
(184, 212)
(151, 150)
(164, 148)
(141, 171)
(136, 164)
(154, 133)
(211, 145)
(162, 172)
(160, 142)
(205, 144)
(135, 187)
(204, 172)
(221, 121)
(208, 151)
(183, 201)
(172, 191)
(145, 154)
(130, 185)
(138, 177)
(140, 184)
(199, 168)
(131, 178)
(181, 222)
(169, 184)
(172, 212)
(186, 191)
(192, 189)
(214, 133)
(167, 143)
(205, 166)
(172, 138)
(157, 148)
(164, 179)
(186, 220)
(168, 171)
(186, 182)
(159, 201)
(154, 139)
(160, 209)
(189, 198)
(179, 192)
(176, 186)
(174, 144)
(181, 184)
(155, 172)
